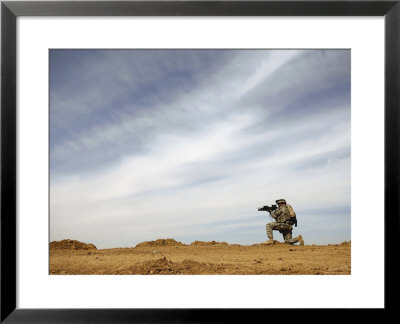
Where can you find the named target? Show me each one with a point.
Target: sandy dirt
(166, 256)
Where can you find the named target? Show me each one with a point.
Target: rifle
(268, 208)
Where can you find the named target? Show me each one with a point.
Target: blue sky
(186, 144)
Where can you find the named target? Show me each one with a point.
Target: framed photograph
(168, 161)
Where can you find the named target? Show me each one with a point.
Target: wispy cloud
(165, 143)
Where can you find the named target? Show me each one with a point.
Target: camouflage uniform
(281, 216)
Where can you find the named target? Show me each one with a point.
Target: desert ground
(167, 256)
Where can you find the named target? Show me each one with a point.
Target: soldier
(282, 224)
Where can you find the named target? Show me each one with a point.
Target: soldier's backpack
(292, 219)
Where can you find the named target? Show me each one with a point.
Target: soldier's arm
(276, 213)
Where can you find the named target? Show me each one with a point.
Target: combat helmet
(280, 201)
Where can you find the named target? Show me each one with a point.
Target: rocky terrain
(169, 257)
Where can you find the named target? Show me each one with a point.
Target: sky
(187, 144)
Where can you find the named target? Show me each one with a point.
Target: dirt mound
(165, 266)
(208, 243)
(344, 243)
(160, 242)
(71, 245)
(275, 243)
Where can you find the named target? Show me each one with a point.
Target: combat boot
(300, 239)
(270, 241)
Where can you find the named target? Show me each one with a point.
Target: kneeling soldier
(283, 224)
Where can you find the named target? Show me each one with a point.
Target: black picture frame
(10, 10)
